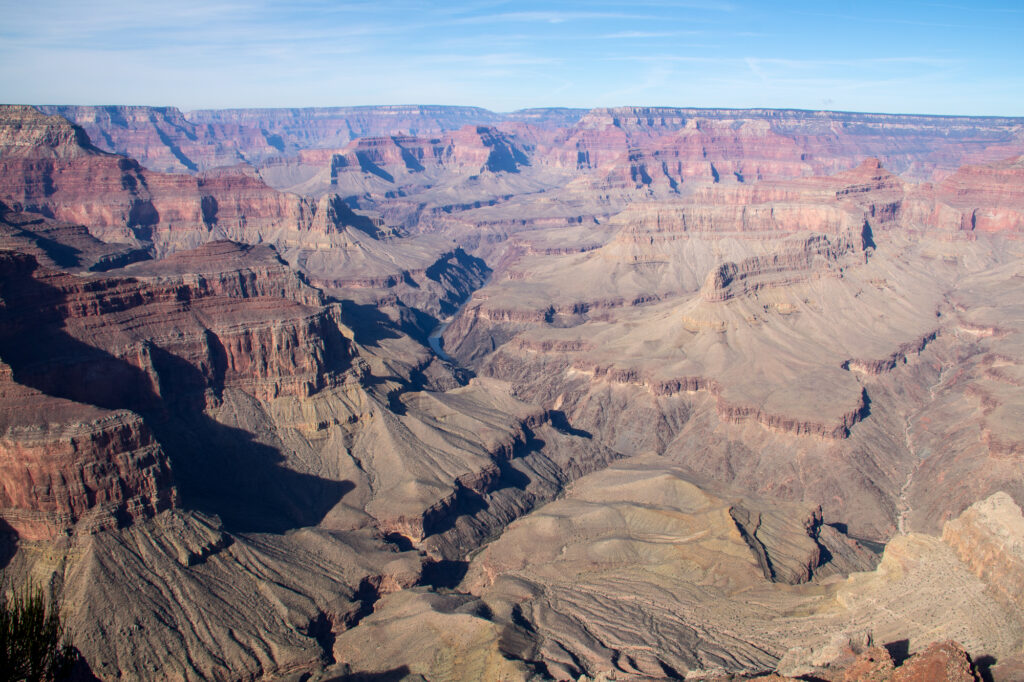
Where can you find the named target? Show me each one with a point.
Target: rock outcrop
(66, 466)
(940, 661)
(794, 262)
(989, 537)
(164, 140)
(50, 167)
(986, 198)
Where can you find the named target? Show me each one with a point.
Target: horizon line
(584, 110)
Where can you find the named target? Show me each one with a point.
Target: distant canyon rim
(438, 393)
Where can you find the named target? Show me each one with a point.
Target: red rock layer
(162, 139)
(470, 149)
(624, 148)
(983, 198)
(88, 354)
(83, 468)
(166, 140)
(48, 166)
(765, 144)
(938, 662)
(701, 150)
(862, 199)
(62, 461)
(61, 245)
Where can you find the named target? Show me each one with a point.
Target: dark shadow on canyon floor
(368, 324)
(445, 573)
(393, 675)
(561, 422)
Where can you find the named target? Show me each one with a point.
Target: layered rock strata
(167, 140)
(711, 361)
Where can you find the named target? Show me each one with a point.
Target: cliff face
(824, 142)
(84, 469)
(986, 198)
(162, 139)
(57, 244)
(48, 166)
(66, 462)
(67, 179)
(672, 152)
(471, 149)
(665, 153)
(626, 149)
(989, 537)
(224, 325)
(167, 140)
(796, 260)
(101, 360)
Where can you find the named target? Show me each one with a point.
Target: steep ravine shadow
(412, 164)
(867, 237)
(462, 274)
(218, 469)
(444, 574)
(393, 675)
(368, 324)
(469, 503)
(63, 255)
(8, 543)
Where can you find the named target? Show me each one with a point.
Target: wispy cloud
(808, 64)
(858, 18)
(553, 17)
(979, 7)
(496, 59)
(628, 35)
(710, 6)
(670, 58)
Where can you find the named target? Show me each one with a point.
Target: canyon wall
(713, 383)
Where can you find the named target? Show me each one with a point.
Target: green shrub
(32, 642)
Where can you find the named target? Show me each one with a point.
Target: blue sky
(940, 57)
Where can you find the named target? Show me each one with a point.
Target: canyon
(440, 393)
